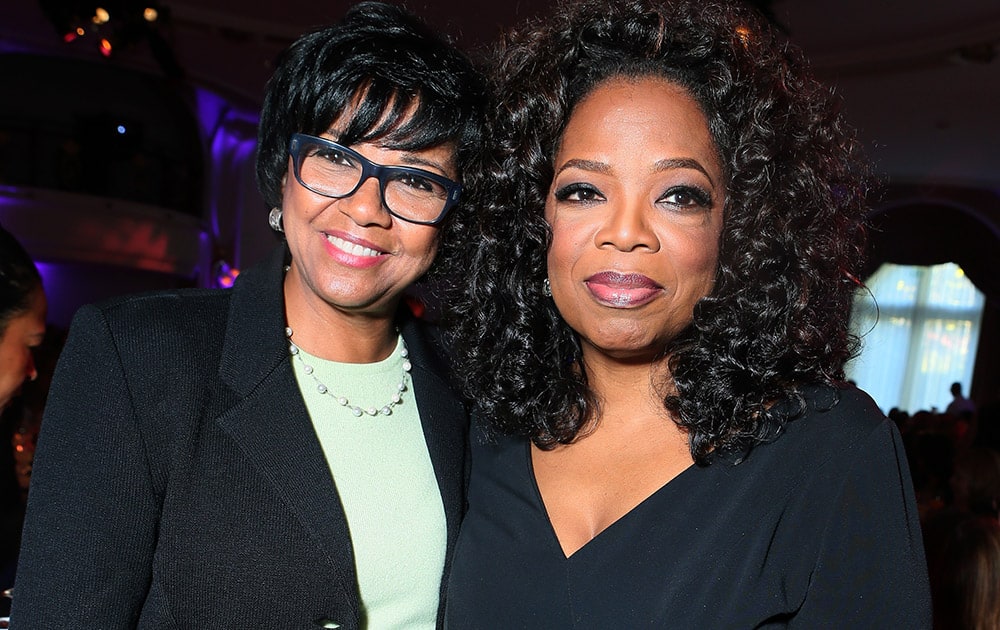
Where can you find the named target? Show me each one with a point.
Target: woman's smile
(623, 290)
(353, 251)
(635, 209)
(350, 253)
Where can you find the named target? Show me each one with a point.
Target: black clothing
(178, 481)
(816, 529)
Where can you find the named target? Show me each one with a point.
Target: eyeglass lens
(334, 172)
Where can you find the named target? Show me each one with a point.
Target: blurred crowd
(954, 457)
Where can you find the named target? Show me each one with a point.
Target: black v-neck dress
(817, 529)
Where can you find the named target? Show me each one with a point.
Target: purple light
(49, 272)
(225, 275)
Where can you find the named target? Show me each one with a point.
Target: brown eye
(687, 197)
(577, 192)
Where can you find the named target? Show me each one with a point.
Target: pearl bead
(357, 411)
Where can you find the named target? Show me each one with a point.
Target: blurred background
(127, 138)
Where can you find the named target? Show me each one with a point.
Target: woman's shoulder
(159, 306)
(842, 409)
(835, 425)
(197, 315)
(140, 323)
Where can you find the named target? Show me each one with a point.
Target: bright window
(921, 337)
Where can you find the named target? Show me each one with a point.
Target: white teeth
(351, 248)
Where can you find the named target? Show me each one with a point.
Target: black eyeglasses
(332, 170)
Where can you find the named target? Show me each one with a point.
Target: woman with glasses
(286, 454)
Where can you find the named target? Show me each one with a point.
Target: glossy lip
(350, 259)
(622, 290)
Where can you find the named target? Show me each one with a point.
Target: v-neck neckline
(529, 468)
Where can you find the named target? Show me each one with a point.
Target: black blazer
(178, 482)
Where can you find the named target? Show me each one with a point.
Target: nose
(364, 206)
(627, 228)
(31, 372)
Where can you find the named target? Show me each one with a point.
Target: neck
(336, 335)
(629, 389)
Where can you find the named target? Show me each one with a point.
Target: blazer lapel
(270, 423)
(444, 422)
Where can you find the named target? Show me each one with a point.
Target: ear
(284, 178)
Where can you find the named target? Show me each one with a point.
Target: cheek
(14, 364)
(696, 256)
(704, 260)
(566, 247)
(422, 243)
(299, 207)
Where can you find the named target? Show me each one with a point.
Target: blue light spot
(121, 129)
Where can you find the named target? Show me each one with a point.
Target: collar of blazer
(268, 419)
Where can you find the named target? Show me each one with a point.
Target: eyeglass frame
(371, 169)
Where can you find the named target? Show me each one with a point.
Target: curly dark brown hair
(791, 244)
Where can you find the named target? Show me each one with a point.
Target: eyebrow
(662, 165)
(585, 165)
(674, 163)
(413, 160)
(408, 159)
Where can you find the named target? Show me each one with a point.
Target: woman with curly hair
(653, 328)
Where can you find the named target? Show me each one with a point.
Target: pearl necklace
(386, 410)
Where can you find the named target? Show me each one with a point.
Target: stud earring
(274, 220)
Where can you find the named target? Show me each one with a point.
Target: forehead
(394, 125)
(33, 319)
(639, 112)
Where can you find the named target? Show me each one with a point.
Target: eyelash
(336, 157)
(698, 197)
(564, 193)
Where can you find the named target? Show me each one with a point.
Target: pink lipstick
(352, 251)
(622, 290)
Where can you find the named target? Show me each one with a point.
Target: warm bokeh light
(105, 47)
(744, 34)
(225, 275)
(150, 14)
(101, 16)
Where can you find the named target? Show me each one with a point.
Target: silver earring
(546, 288)
(274, 220)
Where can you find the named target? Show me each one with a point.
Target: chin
(631, 344)
(629, 353)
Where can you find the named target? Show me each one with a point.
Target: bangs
(388, 115)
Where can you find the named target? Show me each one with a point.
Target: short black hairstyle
(412, 88)
(19, 279)
(791, 244)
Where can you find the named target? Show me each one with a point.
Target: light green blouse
(387, 487)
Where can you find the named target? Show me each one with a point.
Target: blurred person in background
(22, 317)
(22, 329)
(963, 558)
